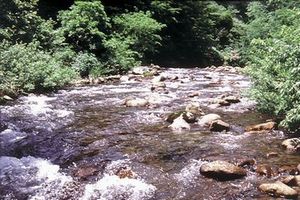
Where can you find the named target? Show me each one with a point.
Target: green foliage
(139, 28)
(19, 19)
(120, 57)
(85, 62)
(27, 68)
(84, 25)
(273, 52)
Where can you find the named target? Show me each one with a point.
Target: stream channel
(82, 142)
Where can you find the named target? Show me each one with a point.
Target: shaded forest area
(47, 44)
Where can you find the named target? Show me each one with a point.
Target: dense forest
(46, 44)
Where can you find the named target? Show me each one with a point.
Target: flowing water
(72, 144)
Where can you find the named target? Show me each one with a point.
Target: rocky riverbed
(162, 134)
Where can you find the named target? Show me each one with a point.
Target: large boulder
(219, 126)
(222, 170)
(292, 144)
(206, 120)
(278, 189)
(180, 124)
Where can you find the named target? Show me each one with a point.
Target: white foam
(189, 173)
(111, 187)
(34, 176)
(38, 104)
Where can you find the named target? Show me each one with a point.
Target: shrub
(141, 29)
(84, 25)
(85, 62)
(274, 65)
(27, 68)
(120, 57)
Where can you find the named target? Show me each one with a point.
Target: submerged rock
(125, 172)
(180, 124)
(272, 154)
(206, 120)
(292, 144)
(290, 169)
(219, 126)
(85, 172)
(222, 170)
(261, 127)
(222, 102)
(193, 94)
(264, 170)
(158, 85)
(247, 163)
(278, 189)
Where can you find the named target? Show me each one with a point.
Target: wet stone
(194, 108)
(232, 99)
(292, 144)
(138, 102)
(264, 170)
(180, 124)
(86, 171)
(125, 172)
(207, 119)
(187, 116)
(278, 189)
(292, 180)
(262, 127)
(292, 170)
(272, 155)
(222, 170)
(219, 126)
(247, 163)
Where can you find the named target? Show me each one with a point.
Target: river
(82, 142)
